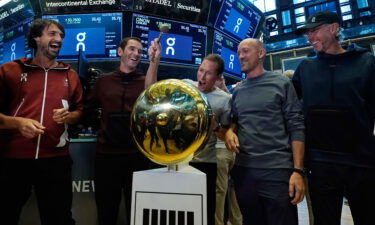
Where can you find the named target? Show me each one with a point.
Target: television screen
(184, 43)
(79, 6)
(97, 35)
(327, 6)
(227, 49)
(287, 44)
(12, 12)
(237, 18)
(14, 42)
(191, 11)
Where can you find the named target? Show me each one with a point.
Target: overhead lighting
(3, 2)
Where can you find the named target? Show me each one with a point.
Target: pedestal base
(162, 197)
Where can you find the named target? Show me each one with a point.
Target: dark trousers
(210, 169)
(114, 176)
(52, 183)
(263, 196)
(329, 183)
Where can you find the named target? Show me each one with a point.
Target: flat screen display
(237, 18)
(227, 49)
(14, 42)
(292, 43)
(190, 11)
(184, 43)
(79, 6)
(12, 12)
(97, 35)
(328, 6)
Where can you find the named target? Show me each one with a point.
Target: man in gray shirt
(267, 132)
(208, 73)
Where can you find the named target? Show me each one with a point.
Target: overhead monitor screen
(327, 6)
(237, 18)
(81, 6)
(97, 35)
(14, 42)
(12, 12)
(287, 44)
(185, 43)
(227, 49)
(190, 11)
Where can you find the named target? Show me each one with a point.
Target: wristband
(302, 172)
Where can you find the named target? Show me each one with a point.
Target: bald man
(267, 133)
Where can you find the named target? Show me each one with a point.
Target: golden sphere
(170, 121)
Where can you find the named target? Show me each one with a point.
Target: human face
(130, 55)
(322, 37)
(207, 76)
(250, 55)
(50, 42)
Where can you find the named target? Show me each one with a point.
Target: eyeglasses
(315, 29)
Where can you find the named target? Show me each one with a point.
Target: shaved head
(251, 53)
(254, 43)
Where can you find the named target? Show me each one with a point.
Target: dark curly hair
(36, 30)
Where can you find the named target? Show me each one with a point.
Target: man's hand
(154, 51)
(296, 188)
(29, 128)
(220, 83)
(231, 141)
(61, 115)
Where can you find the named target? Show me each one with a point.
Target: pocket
(332, 129)
(118, 134)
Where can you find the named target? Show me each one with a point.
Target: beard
(50, 52)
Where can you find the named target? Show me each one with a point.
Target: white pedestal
(162, 197)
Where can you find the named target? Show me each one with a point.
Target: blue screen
(239, 19)
(14, 49)
(227, 49)
(97, 35)
(14, 43)
(292, 43)
(329, 6)
(184, 43)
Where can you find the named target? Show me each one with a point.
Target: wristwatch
(302, 172)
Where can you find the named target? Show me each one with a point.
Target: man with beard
(117, 156)
(337, 88)
(39, 97)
